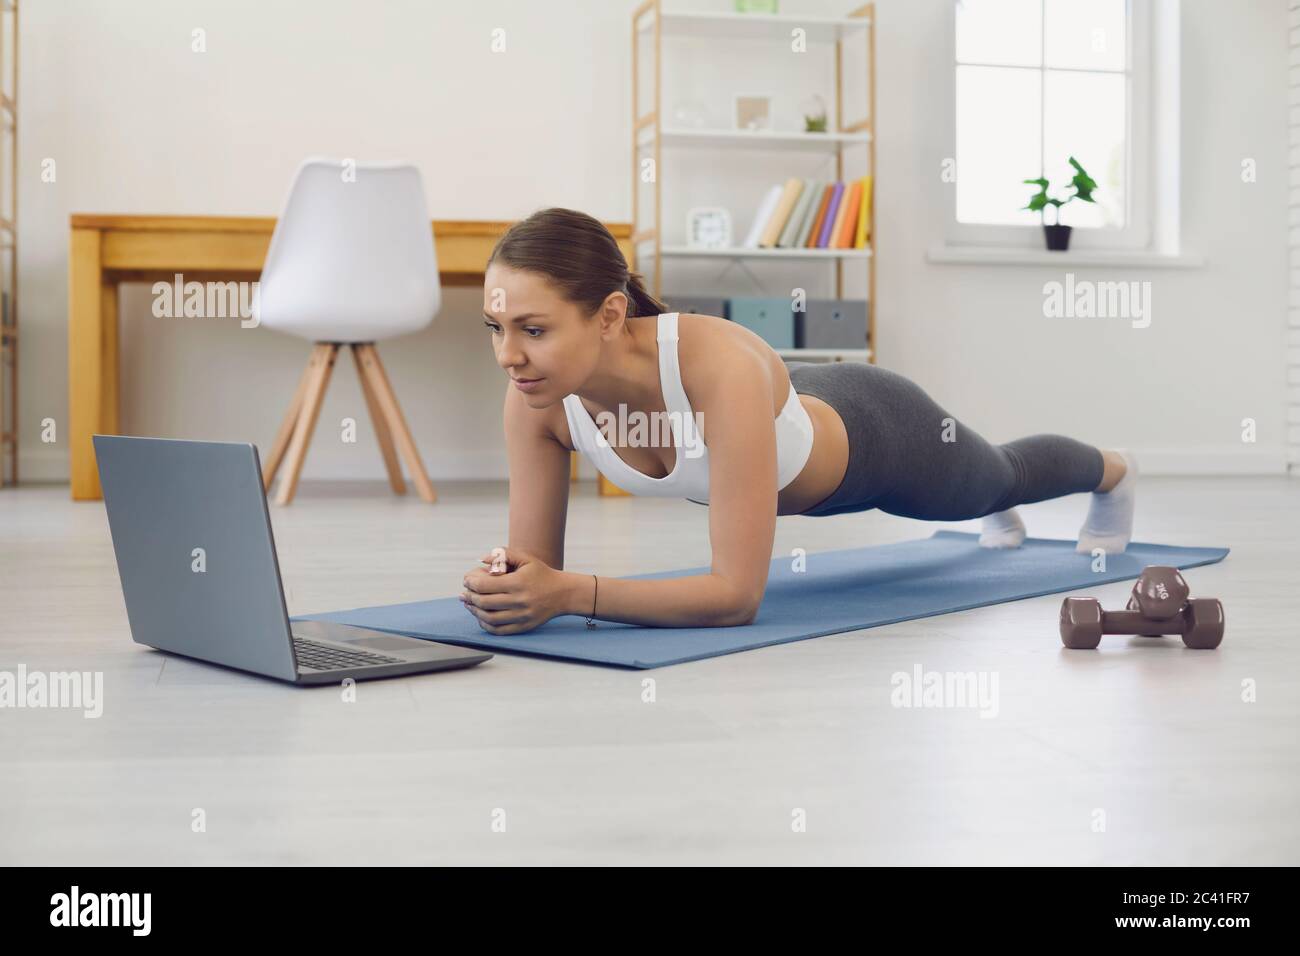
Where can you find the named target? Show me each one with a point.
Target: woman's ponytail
(642, 301)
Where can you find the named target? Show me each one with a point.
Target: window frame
(1138, 234)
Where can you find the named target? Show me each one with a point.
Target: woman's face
(537, 335)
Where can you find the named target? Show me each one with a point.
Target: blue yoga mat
(838, 591)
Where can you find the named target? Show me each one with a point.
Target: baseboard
(1208, 460)
(47, 464)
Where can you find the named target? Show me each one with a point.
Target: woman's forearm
(702, 600)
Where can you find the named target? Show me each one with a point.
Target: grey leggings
(900, 462)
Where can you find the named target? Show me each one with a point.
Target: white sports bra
(690, 475)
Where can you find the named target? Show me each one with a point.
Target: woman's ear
(613, 313)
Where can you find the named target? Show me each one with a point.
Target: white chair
(351, 262)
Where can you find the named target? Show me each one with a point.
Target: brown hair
(578, 255)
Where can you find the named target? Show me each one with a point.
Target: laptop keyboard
(323, 657)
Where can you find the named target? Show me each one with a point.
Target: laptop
(200, 575)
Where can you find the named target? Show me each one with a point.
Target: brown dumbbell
(1083, 622)
(1159, 593)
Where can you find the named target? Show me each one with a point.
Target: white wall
(1213, 355)
(138, 123)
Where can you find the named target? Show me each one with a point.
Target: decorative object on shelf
(690, 114)
(708, 227)
(1057, 235)
(753, 112)
(756, 6)
(814, 114)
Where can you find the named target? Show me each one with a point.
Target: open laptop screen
(194, 550)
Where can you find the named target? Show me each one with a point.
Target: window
(1038, 81)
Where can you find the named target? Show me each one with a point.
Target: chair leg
(393, 413)
(272, 463)
(382, 432)
(322, 363)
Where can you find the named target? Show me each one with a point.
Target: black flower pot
(1058, 237)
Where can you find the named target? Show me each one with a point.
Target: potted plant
(1057, 235)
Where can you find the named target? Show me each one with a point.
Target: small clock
(708, 227)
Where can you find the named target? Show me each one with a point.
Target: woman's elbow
(740, 613)
(745, 616)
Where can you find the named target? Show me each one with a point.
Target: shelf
(1073, 258)
(745, 252)
(744, 139)
(835, 355)
(754, 26)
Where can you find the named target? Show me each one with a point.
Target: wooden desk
(105, 251)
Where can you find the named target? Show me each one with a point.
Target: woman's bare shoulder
(709, 340)
(709, 344)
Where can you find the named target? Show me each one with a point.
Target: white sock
(1109, 524)
(1002, 529)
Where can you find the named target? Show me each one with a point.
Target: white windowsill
(1006, 256)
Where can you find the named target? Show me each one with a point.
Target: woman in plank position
(584, 343)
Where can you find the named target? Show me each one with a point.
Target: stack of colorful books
(813, 214)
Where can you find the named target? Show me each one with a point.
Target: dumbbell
(1158, 591)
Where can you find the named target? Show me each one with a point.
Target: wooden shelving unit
(649, 135)
(9, 243)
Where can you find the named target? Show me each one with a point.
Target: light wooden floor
(1155, 736)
